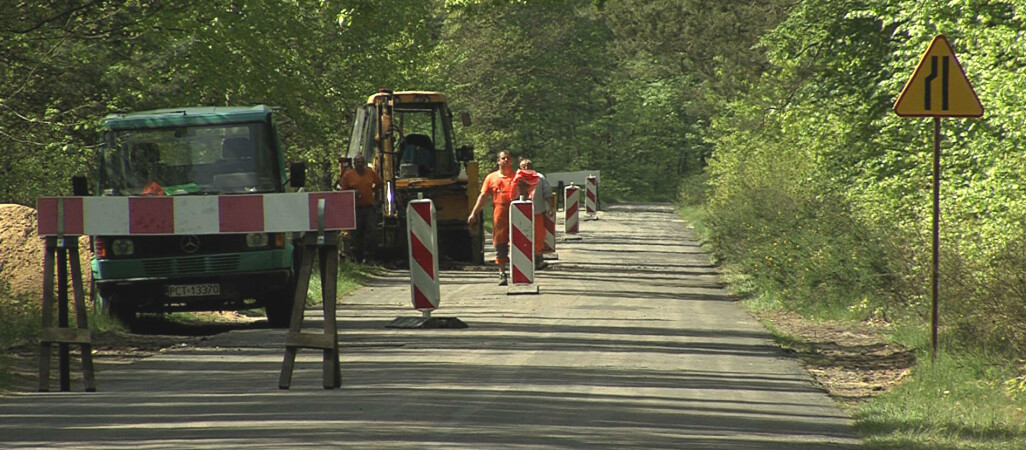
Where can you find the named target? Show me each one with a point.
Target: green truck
(193, 151)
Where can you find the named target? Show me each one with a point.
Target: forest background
(773, 116)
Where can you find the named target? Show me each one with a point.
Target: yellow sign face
(938, 87)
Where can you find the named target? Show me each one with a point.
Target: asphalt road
(633, 342)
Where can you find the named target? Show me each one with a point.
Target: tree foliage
(818, 147)
(818, 189)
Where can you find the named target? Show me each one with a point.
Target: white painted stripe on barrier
(283, 213)
(420, 280)
(197, 215)
(106, 213)
(423, 230)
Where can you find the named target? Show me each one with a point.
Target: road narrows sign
(937, 90)
(938, 87)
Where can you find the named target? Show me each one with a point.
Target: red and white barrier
(521, 249)
(571, 208)
(590, 196)
(549, 249)
(550, 233)
(268, 213)
(423, 244)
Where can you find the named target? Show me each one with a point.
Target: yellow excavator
(408, 136)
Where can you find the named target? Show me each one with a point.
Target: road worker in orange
(496, 186)
(364, 181)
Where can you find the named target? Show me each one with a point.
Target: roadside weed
(350, 277)
(19, 318)
(955, 402)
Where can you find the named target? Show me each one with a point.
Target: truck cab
(193, 151)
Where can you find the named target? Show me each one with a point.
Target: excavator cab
(408, 138)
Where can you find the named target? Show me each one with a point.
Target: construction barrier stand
(571, 221)
(423, 245)
(318, 215)
(521, 249)
(590, 195)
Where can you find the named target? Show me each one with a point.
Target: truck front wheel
(117, 310)
(278, 305)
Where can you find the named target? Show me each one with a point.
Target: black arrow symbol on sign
(944, 83)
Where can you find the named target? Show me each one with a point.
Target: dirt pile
(21, 252)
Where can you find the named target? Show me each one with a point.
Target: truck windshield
(209, 159)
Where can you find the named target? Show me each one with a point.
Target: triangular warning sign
(938, 87)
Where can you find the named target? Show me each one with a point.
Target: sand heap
(21, 252)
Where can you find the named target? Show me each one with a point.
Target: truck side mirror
(465, 153)
(465, 118)
(297, 174)
(79, 186)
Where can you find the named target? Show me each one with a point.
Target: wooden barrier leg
(63, 349)
(81, 317)
(328, 255)
(48, 301)
(62, 335)
(299, 304)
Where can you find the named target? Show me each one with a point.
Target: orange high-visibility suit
(362, 183)
(498, 186)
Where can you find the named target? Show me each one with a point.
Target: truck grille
(163, 267)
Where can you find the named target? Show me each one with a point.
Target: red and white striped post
(550, 233)
(423, 244)
(521, 249)
(590, 196)
(571, 208)
(422, 239)
(550, 229)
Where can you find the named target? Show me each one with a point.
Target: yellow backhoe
(408, 138)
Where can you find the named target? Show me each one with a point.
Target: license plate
(193, 290)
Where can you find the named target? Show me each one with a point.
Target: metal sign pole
(935, 318)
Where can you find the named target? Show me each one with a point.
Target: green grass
(19, 323)
(966, 399)
(20, 318)
(955, 402)
(350, 277)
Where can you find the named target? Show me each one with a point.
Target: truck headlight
(256, 240)
(122, 247)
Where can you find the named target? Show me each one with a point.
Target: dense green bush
(824, 195)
